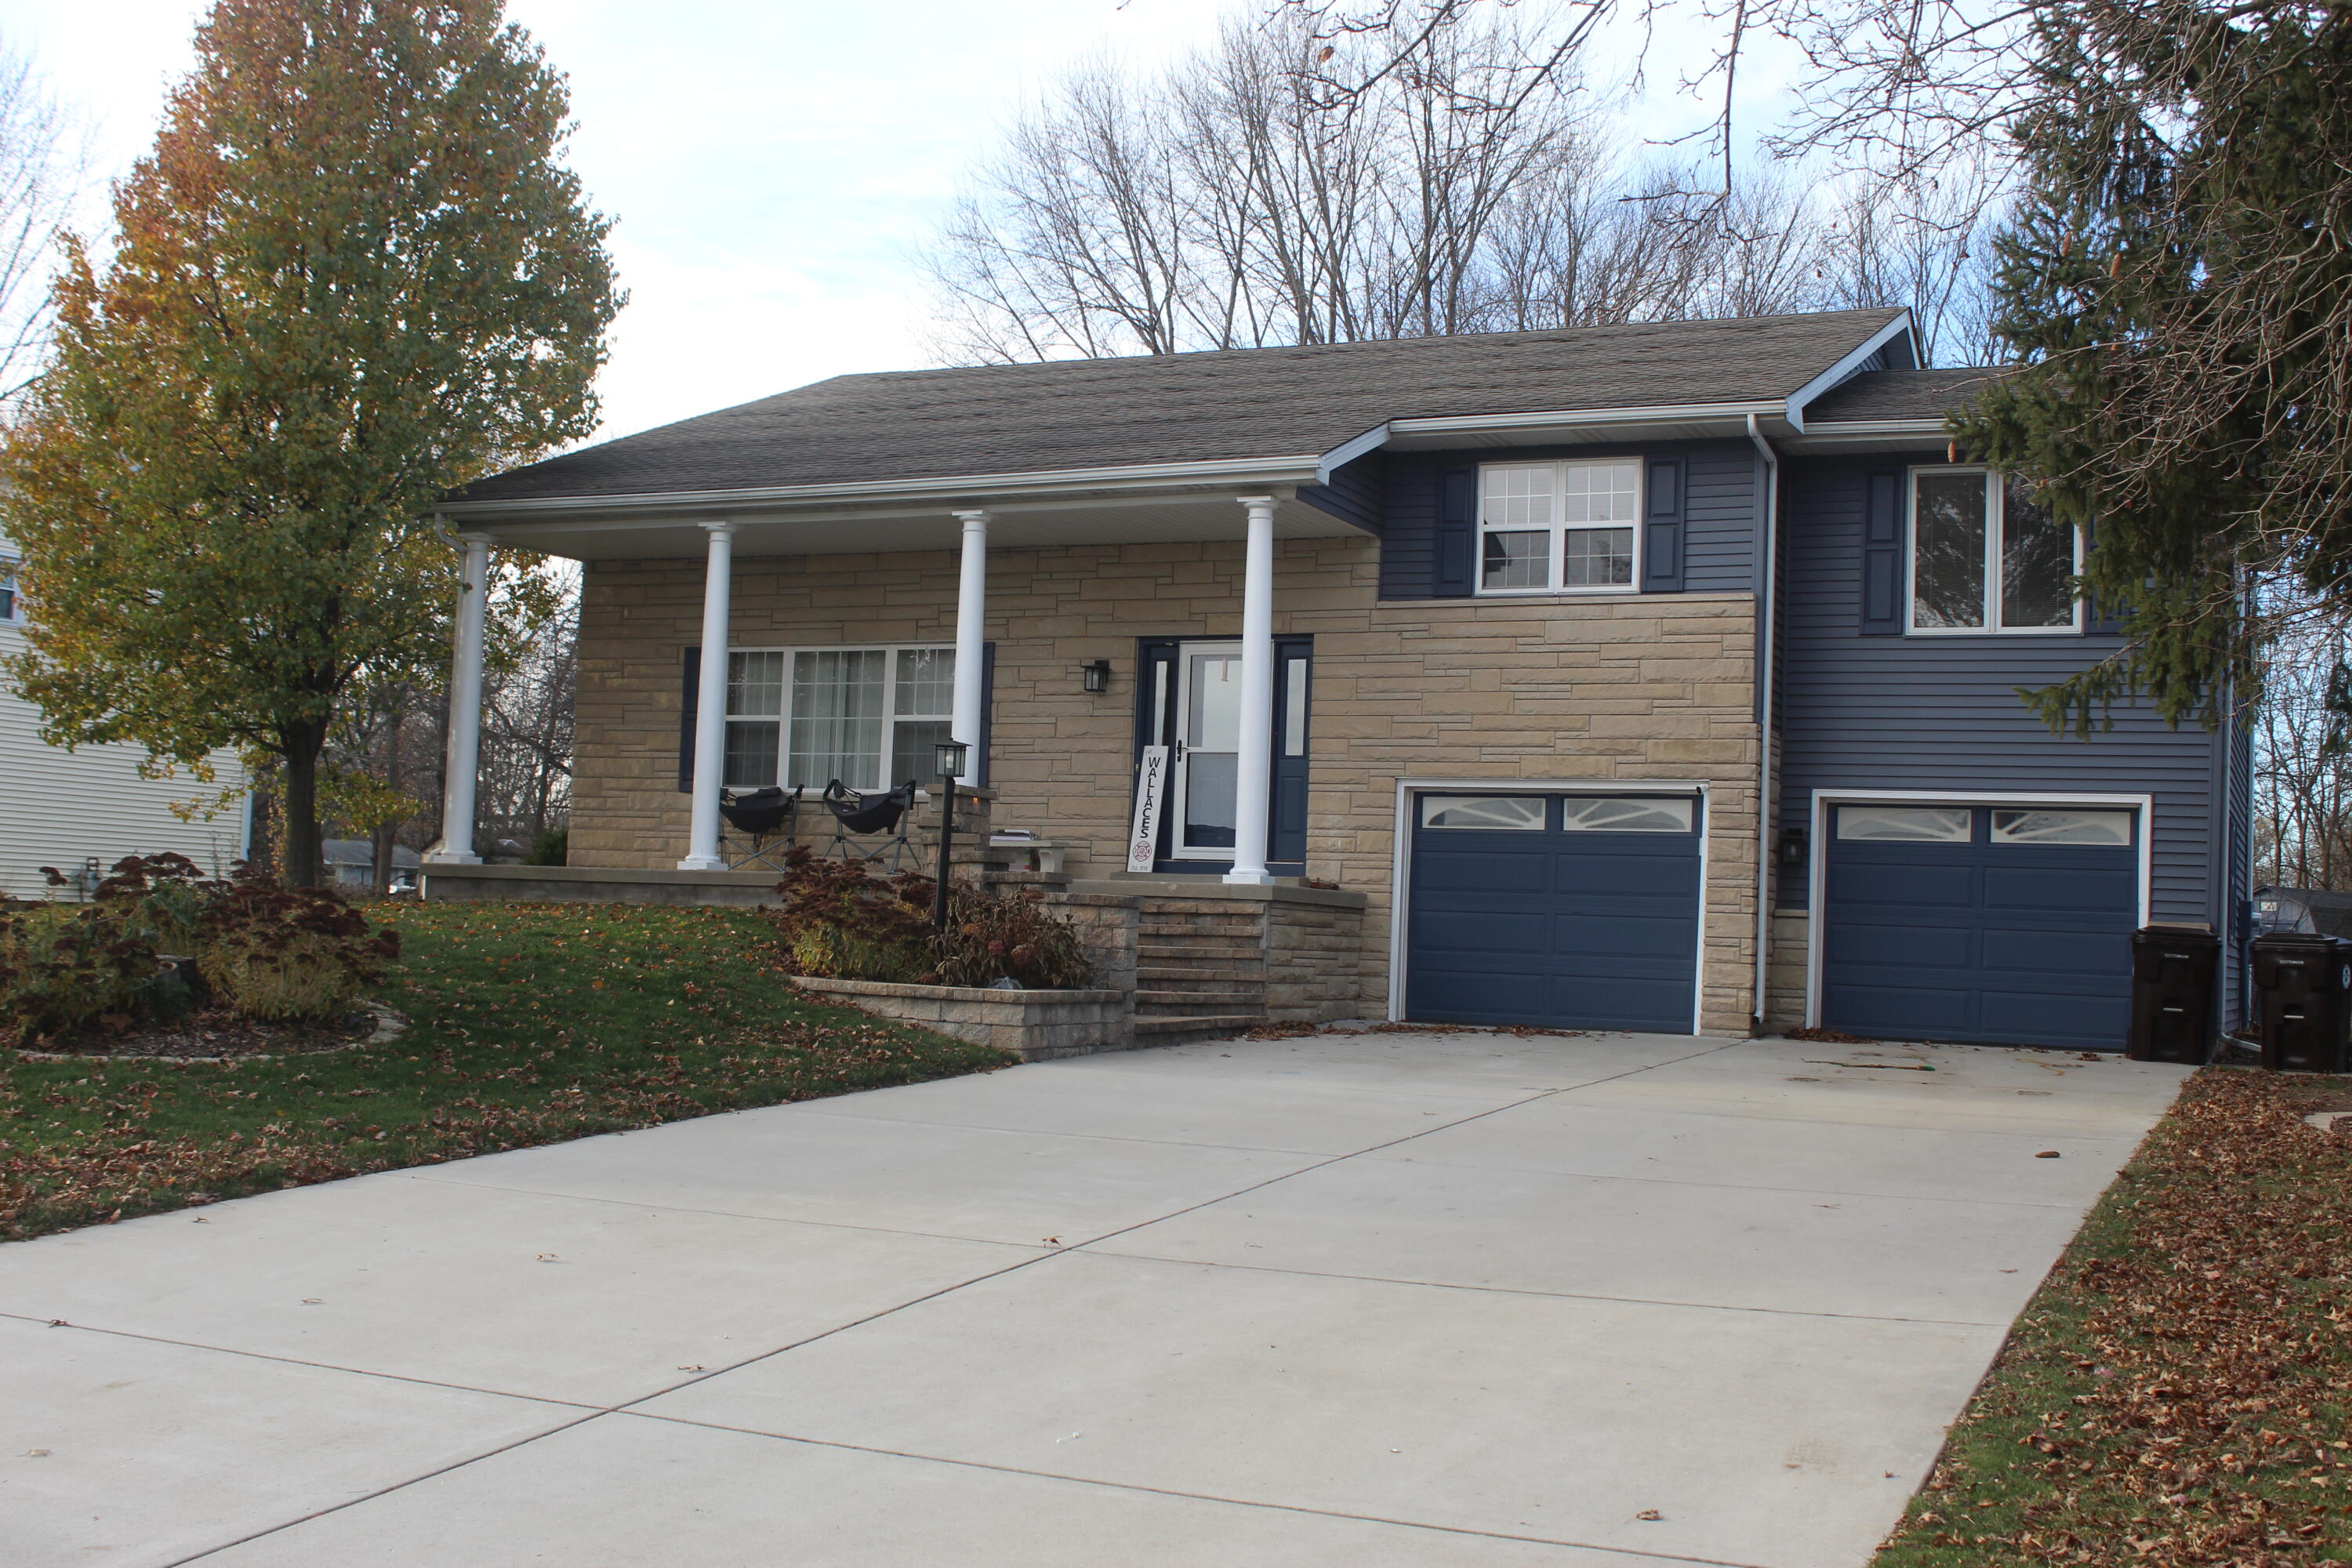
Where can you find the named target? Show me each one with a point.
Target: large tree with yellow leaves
(351, 274)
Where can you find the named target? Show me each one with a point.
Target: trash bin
(2303, 993)
(2173, 969)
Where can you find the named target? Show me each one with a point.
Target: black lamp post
(951, 757)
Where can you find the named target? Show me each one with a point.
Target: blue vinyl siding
(1354, 494)
(1942, 712)
(1719, 523)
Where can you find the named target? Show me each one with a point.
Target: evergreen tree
(350, 275)
(2178, 284)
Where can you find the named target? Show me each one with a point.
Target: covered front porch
(841, 663)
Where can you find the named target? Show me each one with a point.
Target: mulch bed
(2181, 1391)
(212, 1034)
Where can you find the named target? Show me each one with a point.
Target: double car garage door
(2000, 924)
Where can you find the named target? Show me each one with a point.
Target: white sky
(772, 165)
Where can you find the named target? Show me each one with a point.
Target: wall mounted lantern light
(1098, 675)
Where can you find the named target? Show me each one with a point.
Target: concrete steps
(1200, 970)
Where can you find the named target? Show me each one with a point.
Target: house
(2308, 912)
(350, 866)
(1656, 677)
(81, 811)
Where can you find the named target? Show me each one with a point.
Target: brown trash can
(2172, 995)
(2303, 993)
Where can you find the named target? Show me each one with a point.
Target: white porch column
(1254, 767)
(710, 703)
(970, 640)
(464, 758)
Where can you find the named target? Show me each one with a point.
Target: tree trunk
(303, 862)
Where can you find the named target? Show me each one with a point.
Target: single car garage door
(1564, 911)
(2004, 925)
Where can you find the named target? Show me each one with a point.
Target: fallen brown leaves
(2177, 1395)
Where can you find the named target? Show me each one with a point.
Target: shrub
(160, 899)
(990, 938)
(289, 953)
(549, 848)
(845, 924)
(63, 968)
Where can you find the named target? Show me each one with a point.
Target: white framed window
(1907, 823)
(2063, 828)
(1559, 528)
(1985, 558)
(12, 603)
(802, 717)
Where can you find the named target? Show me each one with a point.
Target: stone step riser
(1239, 939)
(1200, 949)
(1199, 980)
(1167, 1031)
(1162, 1002)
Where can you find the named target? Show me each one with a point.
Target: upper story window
(12, 606)
(866, 716)
(1985, 558)
(1551, 528)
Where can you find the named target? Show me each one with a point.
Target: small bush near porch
(526, 1024)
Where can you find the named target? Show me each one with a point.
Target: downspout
(1767, 600)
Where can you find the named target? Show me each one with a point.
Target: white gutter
(1476, 424)
(1347, 452)
(1769, 545)
(953, 486)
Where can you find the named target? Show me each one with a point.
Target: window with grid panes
(805, 717)
(1567, 527)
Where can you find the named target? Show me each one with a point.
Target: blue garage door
(1567, 911)
(2004, 925)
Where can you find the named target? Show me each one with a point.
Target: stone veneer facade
(1633, 686)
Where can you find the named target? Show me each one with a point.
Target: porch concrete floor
(1384, 1299)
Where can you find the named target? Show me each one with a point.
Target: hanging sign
(1151, 798)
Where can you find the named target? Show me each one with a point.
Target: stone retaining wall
(1034, 1026)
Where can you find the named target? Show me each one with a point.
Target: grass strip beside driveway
(527, 1024)
(2178, 1392)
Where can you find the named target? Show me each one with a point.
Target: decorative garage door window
(1487, 813)
(1907, 823)
(2062, 827)
(1625, 814)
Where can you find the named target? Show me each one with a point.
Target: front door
(1208, 759)
(1189, 700)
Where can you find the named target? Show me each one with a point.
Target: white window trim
(1996, 503)
(1817, 866)
(783, 717)
(1409, 790)
(10, 565)
(1558, 531)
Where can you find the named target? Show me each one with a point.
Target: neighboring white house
(89, 806)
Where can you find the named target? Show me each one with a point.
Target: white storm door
(1209, 728)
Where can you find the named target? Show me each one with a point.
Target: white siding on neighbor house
(61, 808)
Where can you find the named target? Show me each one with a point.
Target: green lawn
(528, 1023)
(2179, 1392)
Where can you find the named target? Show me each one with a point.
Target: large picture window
(1553, 528)
(1986, 558)
(866, 716)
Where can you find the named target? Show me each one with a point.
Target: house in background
(81, 811)
(351, 865)
(1655, 676)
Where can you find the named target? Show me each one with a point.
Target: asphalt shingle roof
(1900, 394)
(1226, 405)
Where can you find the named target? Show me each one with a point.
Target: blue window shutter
(1457, 534)
(987, 710)
(689, 700)
(1881, 554)
(1662, 529)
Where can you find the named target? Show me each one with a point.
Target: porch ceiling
(649, 530)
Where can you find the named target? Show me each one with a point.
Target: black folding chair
(766, 818)
(862, 815)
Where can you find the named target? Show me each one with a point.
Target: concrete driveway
(1387, 1298)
